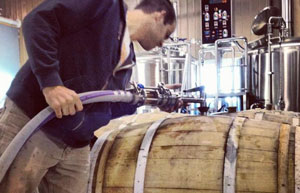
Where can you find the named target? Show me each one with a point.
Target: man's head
(155, 21)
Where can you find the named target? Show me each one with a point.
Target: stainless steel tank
(153, 69)
(286, 74)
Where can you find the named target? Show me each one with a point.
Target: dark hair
(150, 6)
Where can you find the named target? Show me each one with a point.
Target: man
(74, 46)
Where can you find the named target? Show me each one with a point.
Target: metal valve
(159, 96)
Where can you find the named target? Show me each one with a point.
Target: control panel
(216, 20)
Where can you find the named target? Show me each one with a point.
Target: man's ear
(163, 13)
(160, 15)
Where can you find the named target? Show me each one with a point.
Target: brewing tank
(285, 74)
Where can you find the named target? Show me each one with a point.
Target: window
(9, 58)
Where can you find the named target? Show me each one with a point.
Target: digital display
(216, 20)
(217, 1)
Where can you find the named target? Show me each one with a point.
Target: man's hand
(62, 100)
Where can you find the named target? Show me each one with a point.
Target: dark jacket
(73, 43)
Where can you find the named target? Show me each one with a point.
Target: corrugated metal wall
(17, 9)
(244, 12)
(189, 23)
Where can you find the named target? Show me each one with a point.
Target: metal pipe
(246, 73)
(270, 33)
(232, 39)
(286, 12)
(175, 5)
(200, 66)
(270, 63)
(173, 70)
(161, 66)
(176, 44)
(232, 68)
(218, 65)
(170, 66)
(188, 63)
(186, 81)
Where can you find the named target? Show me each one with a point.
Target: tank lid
(259, 25)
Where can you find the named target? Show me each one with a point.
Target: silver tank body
(286, 74)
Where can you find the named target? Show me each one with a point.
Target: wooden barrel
(288, 117)
(197, 154)
(285, 117)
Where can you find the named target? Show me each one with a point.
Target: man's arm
(43, 28)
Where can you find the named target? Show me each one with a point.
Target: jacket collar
(124, 9)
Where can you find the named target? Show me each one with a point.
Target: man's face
(155, 33)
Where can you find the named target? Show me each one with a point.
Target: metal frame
(162, 58)
(185, 82)
(218, 63)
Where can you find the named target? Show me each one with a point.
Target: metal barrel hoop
(140, 171)
(231, 155)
